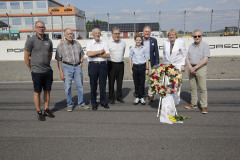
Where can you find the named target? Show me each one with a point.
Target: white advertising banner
(219, 46)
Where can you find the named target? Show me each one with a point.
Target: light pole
(62, 26)
(184, 21)
(211, 22)
(9, 31)
(32, 24)
(52, 24)
(134, 24)
(159, 23)
(108, 21)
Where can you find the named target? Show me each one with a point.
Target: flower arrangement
(155, 79)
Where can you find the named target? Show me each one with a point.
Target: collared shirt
(96, 46)
(138, 55)
(196, 53)
(146, 44)
(70, 53)
(40, 50)
(117, 50)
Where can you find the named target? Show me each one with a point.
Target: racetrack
(124, 131)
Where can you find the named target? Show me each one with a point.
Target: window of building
(68, 19)
(28, 5)
(15, 5)
(44, 19)
(41, 5)
(56, 20)
(17, 21)
(28, 21)
(3, 5)
(5, 20)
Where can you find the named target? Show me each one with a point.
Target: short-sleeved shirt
(117, 50)
(40, 53)
(96, 46)
(196, 53)
(70, 53)
(138, 55)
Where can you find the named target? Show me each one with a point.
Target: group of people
(106, 60)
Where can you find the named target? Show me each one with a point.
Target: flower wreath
(155, 79)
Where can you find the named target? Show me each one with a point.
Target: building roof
(127, 26)
(53, 1)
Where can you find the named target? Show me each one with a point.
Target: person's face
(68, 35)
(138, 41)
(40, 28)
(197, 36)
(146, 33)
(172, 36)
(96, 34)
(116, 35)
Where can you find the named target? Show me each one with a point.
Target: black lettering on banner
(54, 49)
(235, 45)
(160, 47)
(219, 46)
(84, 48)
(9, 50)
(227, 45)
(212, 46)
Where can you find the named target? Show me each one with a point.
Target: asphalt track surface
(124, 131)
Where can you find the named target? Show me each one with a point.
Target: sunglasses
(198, 36)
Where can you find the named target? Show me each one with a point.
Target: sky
(128, 6)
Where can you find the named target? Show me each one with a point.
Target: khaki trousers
(199, 79)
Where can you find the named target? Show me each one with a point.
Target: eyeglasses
(41, 27)
(198, 36)
(117, 33)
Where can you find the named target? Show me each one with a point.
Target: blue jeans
(71, 73)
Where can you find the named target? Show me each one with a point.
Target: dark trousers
(115, 72)
(139, 79)
(98, 72)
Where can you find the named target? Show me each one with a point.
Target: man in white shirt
(116, 65)
(98, 54)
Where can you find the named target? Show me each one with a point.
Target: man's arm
(59, 63)
(105, 55)
(27, 54)
(50, 55)
(95, 53)
(130, 63)
(192, 70)
(156, 53)
(202, 63)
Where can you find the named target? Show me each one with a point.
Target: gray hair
(115, 28)
(95, 29)
(197, 30)
(65, 30)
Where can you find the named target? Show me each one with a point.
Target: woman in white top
(174, 52)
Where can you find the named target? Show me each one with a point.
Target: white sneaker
(136, 101)
(142, 101)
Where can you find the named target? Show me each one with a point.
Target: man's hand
(192, 70)
(183, 68)
(131, 71)
(146, 72)
(62, 76)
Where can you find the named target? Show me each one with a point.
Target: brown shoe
(190, 106)
(150, 98)
(204, 110)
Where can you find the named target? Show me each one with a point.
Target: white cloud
(201, 9)
(153, 2)
(131, 11)
(222, 1)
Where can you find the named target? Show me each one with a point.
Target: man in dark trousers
(116, 65)
(151, 45)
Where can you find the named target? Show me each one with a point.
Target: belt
(116, 62)
(139, 64)
(71, 64)
(99, 62)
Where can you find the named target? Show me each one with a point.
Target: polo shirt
(39, 49)
(196, 53)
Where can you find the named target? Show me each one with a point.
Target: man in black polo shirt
(37, 56)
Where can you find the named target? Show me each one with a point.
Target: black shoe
(112, 101)
(106, 106)
(94, 107)
(48, 113)
(120, 100)
(40, 116)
